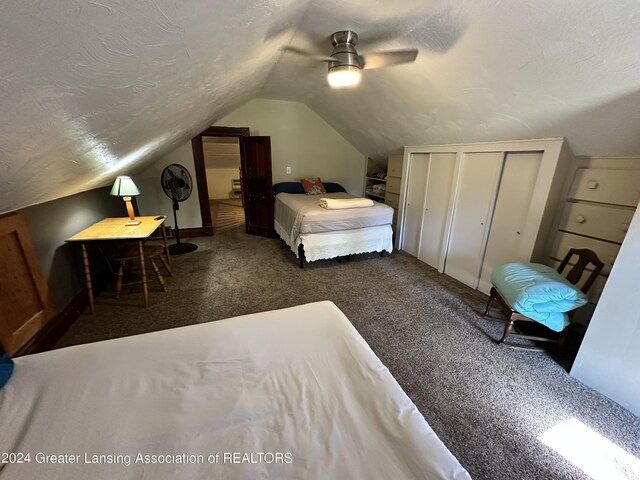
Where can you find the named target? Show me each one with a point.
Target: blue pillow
(333, 187)
(296, 187)
(288, 187)
(6, 369)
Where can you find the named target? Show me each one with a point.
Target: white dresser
(394, 180)
(601, 196)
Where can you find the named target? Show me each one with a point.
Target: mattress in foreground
(293, 393)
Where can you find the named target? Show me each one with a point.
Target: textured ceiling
(89, 90)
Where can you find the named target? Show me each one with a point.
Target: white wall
(153, 200)
(219, 181)
(302, 140)
(299, 139)
(609, 357)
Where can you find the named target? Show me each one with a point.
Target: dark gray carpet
(488, 404)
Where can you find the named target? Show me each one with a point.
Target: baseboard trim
(55, 328)
(205, 231)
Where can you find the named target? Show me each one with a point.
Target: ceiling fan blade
(388, 59)
(308, 53)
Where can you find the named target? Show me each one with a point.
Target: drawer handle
(592, 184)
(580, 219)
(625, 227)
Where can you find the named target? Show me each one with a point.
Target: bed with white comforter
(293, 393)
(324, 233)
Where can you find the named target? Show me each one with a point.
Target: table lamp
(125, 188)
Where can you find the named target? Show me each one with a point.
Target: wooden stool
(132, 254)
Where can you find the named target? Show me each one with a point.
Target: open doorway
(198, 142)
(224, 189)
(255, 179)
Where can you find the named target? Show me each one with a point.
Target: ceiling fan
(345, 65)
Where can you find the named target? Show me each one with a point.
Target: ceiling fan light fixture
(344, 76)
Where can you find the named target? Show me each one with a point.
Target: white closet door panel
(506, 238)
(439, 180)
(476, 187)
(416, 186)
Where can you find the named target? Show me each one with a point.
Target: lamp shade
(124, 187)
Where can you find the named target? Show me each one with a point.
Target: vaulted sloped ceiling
(92, 89)
(487, 70)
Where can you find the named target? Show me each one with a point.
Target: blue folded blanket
(6, 369)
(538, 292)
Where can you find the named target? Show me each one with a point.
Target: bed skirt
(324, 245)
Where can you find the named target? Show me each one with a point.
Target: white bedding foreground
(294, 393)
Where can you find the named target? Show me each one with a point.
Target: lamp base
(132, 223)
(182, 248)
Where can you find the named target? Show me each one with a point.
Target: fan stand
(179, 248)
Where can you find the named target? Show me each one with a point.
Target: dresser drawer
(394, 167)
(600, 221)
(392, 200)
(620, 187)
(606, 251)
(393, 184)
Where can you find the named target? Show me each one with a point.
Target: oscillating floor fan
(177, 184)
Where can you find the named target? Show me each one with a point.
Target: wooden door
(417, 181)
(507, 234)
(476, 189)
(256, 185)
(25, 306)
(436, 208)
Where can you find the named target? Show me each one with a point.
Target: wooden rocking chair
(585, 258)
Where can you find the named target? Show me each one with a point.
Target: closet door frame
(555, 164)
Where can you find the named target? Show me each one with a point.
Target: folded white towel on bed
(336, 203)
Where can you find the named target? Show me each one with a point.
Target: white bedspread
(299, 214)
(299, 382)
